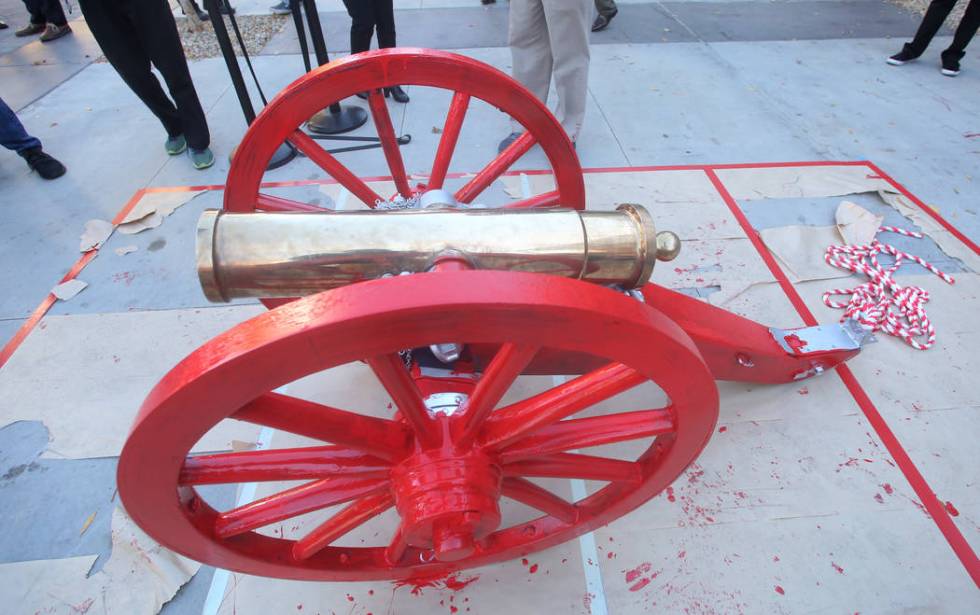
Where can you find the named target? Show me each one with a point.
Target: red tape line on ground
(25, 329)
(918, 482)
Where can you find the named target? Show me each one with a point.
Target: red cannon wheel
(444, 475)
(369, 72)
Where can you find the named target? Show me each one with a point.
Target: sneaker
(201, 158)
(602, 21)
(507, 141)
(903, 56)
(3, 25)
(45, 165)
(30, 30)
(951, 63)
(280, 9)
(175, 145)
(53, 32)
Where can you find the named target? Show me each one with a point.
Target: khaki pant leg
(530, 48)
(568, 28)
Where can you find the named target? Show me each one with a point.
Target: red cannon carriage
(540, 288)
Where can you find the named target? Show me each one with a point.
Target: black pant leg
(115, 34)
(967, 29)
(53, 12)
(933, 20)
(157, 32)
(36, 9)
(384, 17)
(362, 24)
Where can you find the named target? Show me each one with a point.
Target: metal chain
(881, 303)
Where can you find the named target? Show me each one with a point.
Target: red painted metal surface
(467, 78)
(444, 474)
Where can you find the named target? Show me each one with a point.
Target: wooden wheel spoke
(447, 143)
(526, 492)
(389, 142)
(592, 431)
(499, 375)
(382, 438)
(497, 167)
(334, 168)
(294, 502)
(351, 517)
(397, 547)
(391, 371)
(569, 465)
(267, 202)
(546, 199)
(278, 465)
(513, 422)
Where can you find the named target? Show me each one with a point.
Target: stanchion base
(283, 155)
(327, 122)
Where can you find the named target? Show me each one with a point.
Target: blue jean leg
(12, 133)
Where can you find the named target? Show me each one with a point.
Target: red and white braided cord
(881, 303)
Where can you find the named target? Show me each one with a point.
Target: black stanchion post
(286, 151)
(337, 118)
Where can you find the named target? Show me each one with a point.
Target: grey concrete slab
(23, 85)
(79, 47)
(843, 99)
(770, 213)
(8, 327)
(472, 26)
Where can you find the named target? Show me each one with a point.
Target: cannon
(448, 305)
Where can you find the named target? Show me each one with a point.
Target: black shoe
(507, 141)
(46, 166)
(397, 93)
(903, 56)
(202, 15)
(951, 62)
(602, 21)
(3, 25)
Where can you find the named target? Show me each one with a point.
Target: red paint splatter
(299, 607)
(681, 554)
(695, 474)
(804, 391)
(533, 568)
(952, 509)
(775, 558)
(794, 342)
(888, 489)
(370, 592)
(639, 585)
(837, 568)
(639, 571)
(454, 582)
(587, 602)
(780, 590)
(126, 277)
(610, 555)
(524, 561)
(83, 607)
(670, 495)
(453, 609)
(350, 598)
(879, 499)
(722, 429)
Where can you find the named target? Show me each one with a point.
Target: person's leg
(568, 29)
(384, 18)
(13, 136)
(154, 26)
(931, 22)
(606, 8)
(115, 34)
(530, 49)
(362, 24)
(36, 10)
(966, 30)
(53, 13)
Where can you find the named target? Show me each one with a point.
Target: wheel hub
(447, 500)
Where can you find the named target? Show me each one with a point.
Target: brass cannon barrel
(296, 254)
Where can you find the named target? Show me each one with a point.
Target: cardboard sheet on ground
(800, 250)
(85, 376)
(943, 238)
(138, 579)
(153, 208)
(94, 235)
(799, 182)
